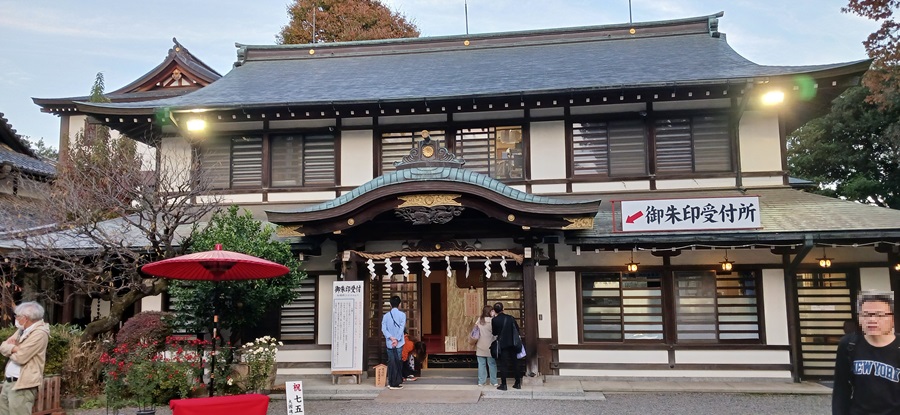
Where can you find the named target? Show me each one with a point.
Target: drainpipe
(793, 317)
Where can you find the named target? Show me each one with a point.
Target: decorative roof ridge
(707, 24)
(180, 55)
(12, 138)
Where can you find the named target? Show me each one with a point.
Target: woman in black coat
(507, 330)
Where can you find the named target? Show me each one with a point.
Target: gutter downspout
(793, 316)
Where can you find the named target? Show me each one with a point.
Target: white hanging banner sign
(347, 327)
(689, 214)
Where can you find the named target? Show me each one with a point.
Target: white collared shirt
(13, 369)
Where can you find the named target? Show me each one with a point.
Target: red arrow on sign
(634, 217)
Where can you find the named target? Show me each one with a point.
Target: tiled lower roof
(784, 213)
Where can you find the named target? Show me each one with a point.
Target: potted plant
(259, 356)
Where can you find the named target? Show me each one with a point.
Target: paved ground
(618, 404)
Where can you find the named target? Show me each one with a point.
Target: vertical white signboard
(347, 328)
(294, 397)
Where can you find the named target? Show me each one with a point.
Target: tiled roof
(436, 174)
(784, 213)
(522, 63)
(16, 152)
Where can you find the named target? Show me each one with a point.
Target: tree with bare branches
(113, 215)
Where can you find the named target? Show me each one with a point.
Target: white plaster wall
(607, 109)
(546, 112)
(357, 122)
(611, 186)
(300, 196)
(566, 307)
(692, 105)
(76, 125)
(153, 303)
(492, 115)
(412, 119)
(763, 181)
(293, 124)
(613, 356)
(545, 318)
(696, 183)
(548, 150)
(357, 147)
(875, 279)
(325, 300)
(682, 374)
(760, 142)
(543, 189)
(320, 356)
(775, 302)
(237, 199)
(233, 126)
(175, 160)
(762, 357)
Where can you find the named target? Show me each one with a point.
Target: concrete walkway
(319, 387)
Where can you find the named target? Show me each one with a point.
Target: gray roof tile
(569, 61)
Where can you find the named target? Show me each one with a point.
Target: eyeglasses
(875, 315)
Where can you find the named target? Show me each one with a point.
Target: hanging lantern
(824, 261)
(726, 264)
(632, 266)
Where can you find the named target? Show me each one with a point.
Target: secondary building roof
(15, 153)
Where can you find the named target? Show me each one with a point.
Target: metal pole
(466, 5)
(629, 12)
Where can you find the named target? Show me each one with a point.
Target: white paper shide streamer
(466, 260)
(426, 268)
(503, 266)
(404, 265)
(371, 265)
(487, 268)
(387, 265)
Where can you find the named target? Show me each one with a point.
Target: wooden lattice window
(302, 160)
(495, 151)
(618, 307)
(711, 307)
(609, 148)
(693, 144)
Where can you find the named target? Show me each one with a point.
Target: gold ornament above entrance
(429, 200)
(579, 223)
(288, 231)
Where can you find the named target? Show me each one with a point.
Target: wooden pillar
(793, 320)
(531, 322)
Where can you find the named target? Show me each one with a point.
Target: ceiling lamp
(632, 266)
(897, 267)
(824, 261)
(726, 264)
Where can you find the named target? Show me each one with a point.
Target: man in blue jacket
(392, 325)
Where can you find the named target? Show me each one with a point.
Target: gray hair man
(27, 353)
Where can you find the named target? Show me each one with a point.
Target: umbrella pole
(215, 335)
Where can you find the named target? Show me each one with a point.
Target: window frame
(691, 116)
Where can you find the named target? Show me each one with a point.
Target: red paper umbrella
(217, 265)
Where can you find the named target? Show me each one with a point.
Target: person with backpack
(867, 366)
(509, 344)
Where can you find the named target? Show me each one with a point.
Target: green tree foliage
(241, 304)
(853, 152)
(342, 21)
(883, 46)
(42, 149)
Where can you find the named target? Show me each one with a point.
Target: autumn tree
(343, 20)
(112, 216)
(852, 152)
(883, 46)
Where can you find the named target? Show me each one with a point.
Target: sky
(54, 48)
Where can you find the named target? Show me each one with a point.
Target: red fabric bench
(251, 404)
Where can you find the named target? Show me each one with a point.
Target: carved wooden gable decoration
(431, 187)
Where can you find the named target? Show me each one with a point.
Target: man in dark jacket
(867, 367)
(507, 330)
